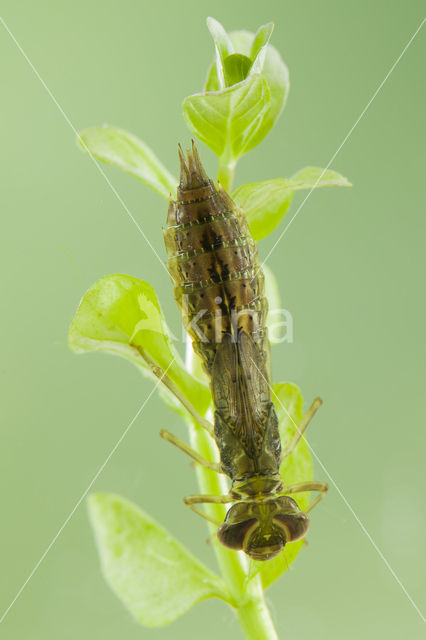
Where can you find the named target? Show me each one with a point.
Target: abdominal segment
(214, 264)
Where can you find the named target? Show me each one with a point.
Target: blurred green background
(351, 271)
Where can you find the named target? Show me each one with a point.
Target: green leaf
(155, 577)
(312, 177)
(297, 467)
(124, 150)
(212, 82)
(220, 37)
(230, 121)
(265, 203)
(261, 38)
(272, 294)
(273, 69)
(258, 62)
(236, 68)
(120, 315)
(220, 68)
(223, 48)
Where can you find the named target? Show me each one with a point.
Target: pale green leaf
(155, 577)
(220, 68)
(272, 294)
(124, 150)
(220, 37)
(236, 68)
(274, 71)
(261, 38)
(297, 467)
(312, 177)
(212, 83)
(223, 48)
(230, 121)
(120, 315)
(288, 403)
(265, 203)
(258, 62)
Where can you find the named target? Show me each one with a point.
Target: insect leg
(189, 451)
(208, 499)
(203, 514)
(160, 374)
(322, 487)
(302, 427)
(191, 501)
(315, 502)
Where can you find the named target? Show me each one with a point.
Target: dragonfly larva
(219, 287)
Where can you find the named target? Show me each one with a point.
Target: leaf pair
(264, 203)
(244, 94)
(158, 579)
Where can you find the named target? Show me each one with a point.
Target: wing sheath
(241, 390)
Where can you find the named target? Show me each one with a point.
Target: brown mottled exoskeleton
(219, 287)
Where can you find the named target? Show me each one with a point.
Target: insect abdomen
(213, 262)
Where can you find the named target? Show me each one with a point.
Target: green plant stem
(255, 619)
(247, 595)
(226, 174)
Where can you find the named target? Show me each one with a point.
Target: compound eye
(295, 525)
(233, 535)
